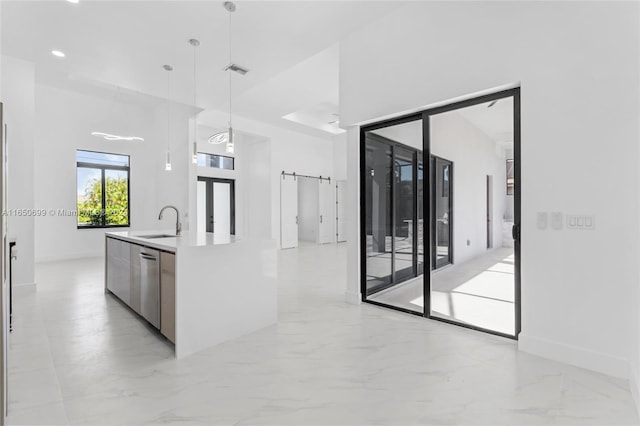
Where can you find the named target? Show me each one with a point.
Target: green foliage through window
(102, 191)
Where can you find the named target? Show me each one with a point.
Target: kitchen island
(205, 288)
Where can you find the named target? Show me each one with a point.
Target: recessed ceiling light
(58, 53)
(74, 1)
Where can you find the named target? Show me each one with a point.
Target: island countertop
(173, 243)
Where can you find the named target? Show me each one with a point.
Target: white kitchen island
(224, 287)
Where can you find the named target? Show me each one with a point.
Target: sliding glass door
(448, 176)
(392, 225)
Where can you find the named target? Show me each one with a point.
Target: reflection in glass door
(391, 227)
(480, 286)
(378, 215)
(405, 214)
(442, 205)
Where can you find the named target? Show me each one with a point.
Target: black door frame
(427, 203)
(393, 145)
(209, 194)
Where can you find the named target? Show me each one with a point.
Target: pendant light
(168, 69)
(195, 43)
(227, 136)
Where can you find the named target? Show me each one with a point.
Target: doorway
(216, 205)
(474, 278)
(442, 193)
(341, 194)
(392, 217)
(307, 210)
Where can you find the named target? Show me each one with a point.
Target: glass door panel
(391, 216)
(378, 215)
(405, 214)
(472, 216)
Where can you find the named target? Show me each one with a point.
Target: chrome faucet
(178, 224)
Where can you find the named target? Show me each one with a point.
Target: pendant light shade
(167, 165)
(230, 141)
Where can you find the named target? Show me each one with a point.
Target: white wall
(256, 154)
(635, 296)
(340, 156)
(170, 187)
(251, 176)
(64, 122)
(18, 97)
(308, 204)
(577, 65)
(287, 150)
(474, 156)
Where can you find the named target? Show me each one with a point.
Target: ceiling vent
(236, 68)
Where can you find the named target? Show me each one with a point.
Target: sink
(151, 236)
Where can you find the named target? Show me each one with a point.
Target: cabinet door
(168, 295)
(135, 303)
(119, 269)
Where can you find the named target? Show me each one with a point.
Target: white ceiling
(289, 47)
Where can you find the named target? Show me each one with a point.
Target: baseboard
(574, 355)
(69, 256)
(18, 289)
(352, 298)
(633, 386)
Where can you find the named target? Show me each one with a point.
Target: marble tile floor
(79, 357)
(479, 292)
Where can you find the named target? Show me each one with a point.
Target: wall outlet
(468, 242)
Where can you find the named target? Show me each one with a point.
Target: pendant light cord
(168, 110)
(195, 88)
(229, 70)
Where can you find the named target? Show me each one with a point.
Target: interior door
(341, 189)
(288, 212)
(443, 195)
(326, 205)
(216, 205)
(222, 207)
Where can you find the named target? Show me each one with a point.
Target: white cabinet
(168, 295)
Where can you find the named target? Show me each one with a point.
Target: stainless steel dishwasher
(150, 285)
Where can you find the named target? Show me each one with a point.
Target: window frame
(103, 168)
(208, 154)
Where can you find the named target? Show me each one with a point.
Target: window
(102, 189)
(216, 161)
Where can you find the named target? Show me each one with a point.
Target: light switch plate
(581, 221)
(541, 220)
